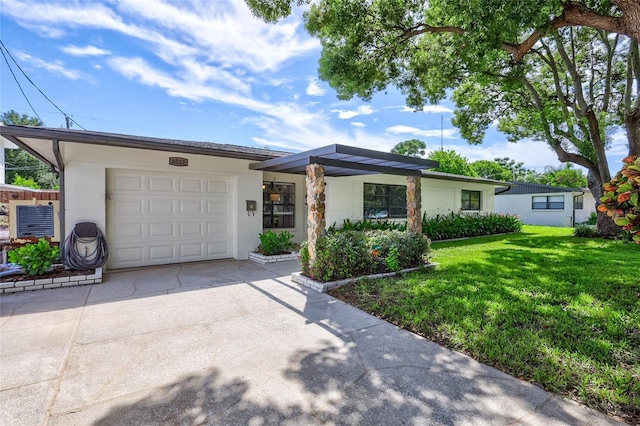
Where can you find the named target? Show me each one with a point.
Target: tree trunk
(605, 225)
(632, 123)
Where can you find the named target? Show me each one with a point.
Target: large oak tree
(562, 72)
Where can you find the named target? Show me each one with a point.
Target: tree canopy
(565, 175)
(513, 25)
(566, 73)
(452, 162)
(491, 170)
(411, 147)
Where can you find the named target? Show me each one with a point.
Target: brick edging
(262, 259)
(321, 287)
(46, 283)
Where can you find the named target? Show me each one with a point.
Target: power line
(67, 117)
(18, 83)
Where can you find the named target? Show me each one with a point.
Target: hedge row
(450, 226)
(445, 227)
(347, 254)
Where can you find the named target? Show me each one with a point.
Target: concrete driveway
(237, 343)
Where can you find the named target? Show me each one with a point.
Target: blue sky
(210, 71)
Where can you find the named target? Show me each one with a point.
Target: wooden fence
(8, 195)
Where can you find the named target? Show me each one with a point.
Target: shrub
(35, 259)
(26, 183)
(341, 255)
(412, 249)
(457, 225)
(393, 260)
(347, 254)
(304, 258)
(585, 231)
(593, 219)
(621, 199)
(368, 225)
(272, 243)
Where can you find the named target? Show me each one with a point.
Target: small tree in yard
(621, 199)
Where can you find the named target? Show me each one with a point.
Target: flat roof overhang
(38, 142)
(342, 160)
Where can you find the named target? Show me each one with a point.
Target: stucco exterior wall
(85, 181)
(521, 204)
(345, 195)
(589, 206)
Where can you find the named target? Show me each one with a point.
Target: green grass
(542, 305)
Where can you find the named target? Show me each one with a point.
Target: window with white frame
(579, 202)
(547, 202)
(471, 200)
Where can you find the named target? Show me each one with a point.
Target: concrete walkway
(237, 343)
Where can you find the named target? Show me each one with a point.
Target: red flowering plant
(621, 199)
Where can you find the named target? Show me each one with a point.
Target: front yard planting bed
(57, 278)
(556, 310)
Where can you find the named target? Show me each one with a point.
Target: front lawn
(542, 305)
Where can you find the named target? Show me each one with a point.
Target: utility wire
(67, 117)
(18, 83)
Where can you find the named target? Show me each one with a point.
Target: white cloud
(347, 114)
(276, 82)
(289, 122)
(56, 67)
(402, 129)
(432, 109)
(85, 51)
(314, 89)
(205, 30)
(357, 124)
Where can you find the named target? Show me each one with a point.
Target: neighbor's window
(278, 205)
(579, 203)
(547, 202)
(470, 200)
(384, 201)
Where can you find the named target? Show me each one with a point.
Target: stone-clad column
(414, 204)
(315, 207)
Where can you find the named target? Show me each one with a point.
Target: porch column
(315, 207)
(414, 204)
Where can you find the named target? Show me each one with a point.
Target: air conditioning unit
(34, 218)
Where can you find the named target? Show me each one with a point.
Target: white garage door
(159, 218)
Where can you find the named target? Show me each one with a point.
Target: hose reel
(85, 247)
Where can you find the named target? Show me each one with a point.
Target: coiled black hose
(75, 260)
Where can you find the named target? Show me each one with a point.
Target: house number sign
(178, 161)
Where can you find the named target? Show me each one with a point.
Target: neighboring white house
(162, 201)
(540, 204)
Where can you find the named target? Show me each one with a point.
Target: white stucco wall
(589, 206)
(85, 182)
(345, 195)
(521, 204)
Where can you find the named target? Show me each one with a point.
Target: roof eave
(94, 138)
